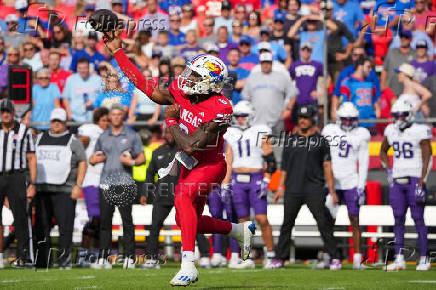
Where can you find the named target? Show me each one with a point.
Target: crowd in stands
(367, 44)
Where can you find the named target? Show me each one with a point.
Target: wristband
(79, 186)
(170, 122)
(133, 163)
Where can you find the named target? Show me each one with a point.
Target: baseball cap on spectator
(175, 10)
(226, 5)
(21, 4)
(90, 7)
(406, 69)
(306, 112)
(421, 44)
(6, 105)
(265, 29)
(264, 46)
(279, 16)
(11, 18)
(245, 39)
(406, 33)
(58, 114)
(93, 35)
(178, 61)
(211, 47)
(306, 45)
(265, 56)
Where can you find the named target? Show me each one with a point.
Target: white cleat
(268, 264)
(245, 233)
(129, 264)
(335, 265)
(150, 264)
(359, 266)
(395, 266)
(247, 264)
(187, 275)
(423, 267)
(101, 264)
(204, 263)
(321, 266)
(218, 261)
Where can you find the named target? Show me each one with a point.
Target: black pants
(159, 214)
(106, 214)
(316, 205)
(63, 209)
(14, 187)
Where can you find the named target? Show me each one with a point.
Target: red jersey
(60, 78)
(215, 109)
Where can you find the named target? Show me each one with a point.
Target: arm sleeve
(133, 73)
(363, 160)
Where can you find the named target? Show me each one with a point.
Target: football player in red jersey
(198, 116)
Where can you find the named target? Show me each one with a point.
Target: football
(103, 20)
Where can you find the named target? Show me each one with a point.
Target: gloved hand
(389, 176)
(263, 192)
(226, 193)
(361, 196)
(420, 193)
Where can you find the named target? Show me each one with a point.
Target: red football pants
(191, 196)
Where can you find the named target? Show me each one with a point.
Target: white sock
(357, 258)
(236, 231)
(188, 257)
(399, 258)
(423, 260)
(270, 254)
(234, 256)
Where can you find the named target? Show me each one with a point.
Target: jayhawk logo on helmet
(214, 68)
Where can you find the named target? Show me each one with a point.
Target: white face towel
(333, 208)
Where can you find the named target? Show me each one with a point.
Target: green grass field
(293, 276)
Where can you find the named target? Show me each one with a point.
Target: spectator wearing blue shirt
(278, 51)
(80, 92)
(248, 60)
(233, 57)
(90, 52)
(226, 18)
(177, 38)
(112, 93)
(361, 93)
(237, 33)
(350, 14)
(347, 72)
(45, 97)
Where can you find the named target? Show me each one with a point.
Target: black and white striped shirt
(14, 145)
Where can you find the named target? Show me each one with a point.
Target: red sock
(210, 225)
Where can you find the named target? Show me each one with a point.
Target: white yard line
(423, 281)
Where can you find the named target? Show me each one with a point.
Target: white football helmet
(402, 112)
(348, 116)
(243, 109)
(211, 71)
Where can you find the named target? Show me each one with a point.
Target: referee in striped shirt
(17, 153)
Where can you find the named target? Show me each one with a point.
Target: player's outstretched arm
(158, 95)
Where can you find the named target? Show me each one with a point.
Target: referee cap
(58, 114)
(6, 105)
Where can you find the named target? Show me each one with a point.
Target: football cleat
(276, 264)
(244, 235)
(321, 266)
(150, 264)
(204, 262)
(218, 260)
(395, 266)
(188, 274)
(335, 265)
(129, 263)
(239, 264)
(101, 264)
(423, 267)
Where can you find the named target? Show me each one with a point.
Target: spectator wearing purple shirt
(424, 67)
(306, 73)
(223, 43)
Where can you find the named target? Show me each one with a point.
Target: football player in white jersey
(247, 149)
(349, 148)
(412, 161)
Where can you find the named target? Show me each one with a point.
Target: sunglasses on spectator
(175, 20)
(210, 24)
(253, 17)
(28, 48)
(44, 78)
(15, 54)
(357, 54)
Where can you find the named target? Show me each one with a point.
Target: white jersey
(92, 177)
(407, 148)
(247, 145)
(350, 155)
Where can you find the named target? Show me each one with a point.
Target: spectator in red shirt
(57, 75)
(387, 99)
(423, 17)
